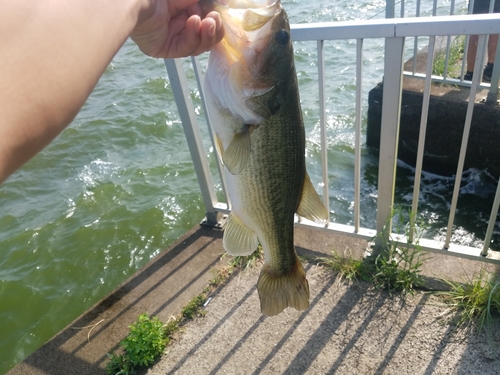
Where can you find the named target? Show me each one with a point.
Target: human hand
(176, 28)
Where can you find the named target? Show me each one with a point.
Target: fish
(252, 98)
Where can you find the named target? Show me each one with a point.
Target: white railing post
(220, 166)
(389, 135)
(390, 8)
(492, 221)
(357, 136)
(322, 123)
(481, 45)
(184, 103)
(421, 136)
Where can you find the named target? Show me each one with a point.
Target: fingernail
(218, 20)
(211, 31)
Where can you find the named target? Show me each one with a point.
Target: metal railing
(394, 31)
(444, 46)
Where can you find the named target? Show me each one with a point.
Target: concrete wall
(447, 110)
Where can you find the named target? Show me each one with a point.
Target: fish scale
(276, 183)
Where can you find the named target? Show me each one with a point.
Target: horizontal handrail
(398, 27)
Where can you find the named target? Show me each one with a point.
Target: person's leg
(471, 56)
(492, 47)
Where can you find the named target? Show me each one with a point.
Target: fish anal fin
(236, 155)
(277, 292)
(238, 239)
(310, 205)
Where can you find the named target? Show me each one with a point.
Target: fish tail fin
(277, 291)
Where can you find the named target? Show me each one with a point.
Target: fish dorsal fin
(235, 156)
(310, 205)
(238, 238)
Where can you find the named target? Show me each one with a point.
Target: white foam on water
(98, 171)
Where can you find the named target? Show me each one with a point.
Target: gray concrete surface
(169, 281)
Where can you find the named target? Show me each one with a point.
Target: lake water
(118, 186)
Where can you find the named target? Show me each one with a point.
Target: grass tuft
(249, 261)
(348, 268)
(398, 266)
(193, 308)
(479, 299)
(454, 59)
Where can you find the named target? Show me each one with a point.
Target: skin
(53, 53)
(472, 50)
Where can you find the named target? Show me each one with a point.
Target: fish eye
(282, 37)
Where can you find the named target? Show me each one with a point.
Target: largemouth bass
(253, 101)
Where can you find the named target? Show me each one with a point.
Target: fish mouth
(236, 61)
(247, 23)
(250, 15)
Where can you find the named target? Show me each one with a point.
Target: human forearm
(52, 53)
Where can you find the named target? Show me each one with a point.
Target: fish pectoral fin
(310, 205)
(238, 238)
(236, 155)
(277, 292)
(268, 103)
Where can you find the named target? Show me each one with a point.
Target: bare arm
(53, 52)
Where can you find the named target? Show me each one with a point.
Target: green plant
(479, 299)
(145, 342)
(193, 307)
(454, 59)
(119, 365)
(170, 328)
(148, 337)
(398, 265)
(221, 275)
(347, 267)
(248, 261)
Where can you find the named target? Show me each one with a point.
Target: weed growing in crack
(398, 265)
(347, 267)
(143, 345)
(148, 337)
(249, 261)
(193, 308)
(479, 299)
(454, 59)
